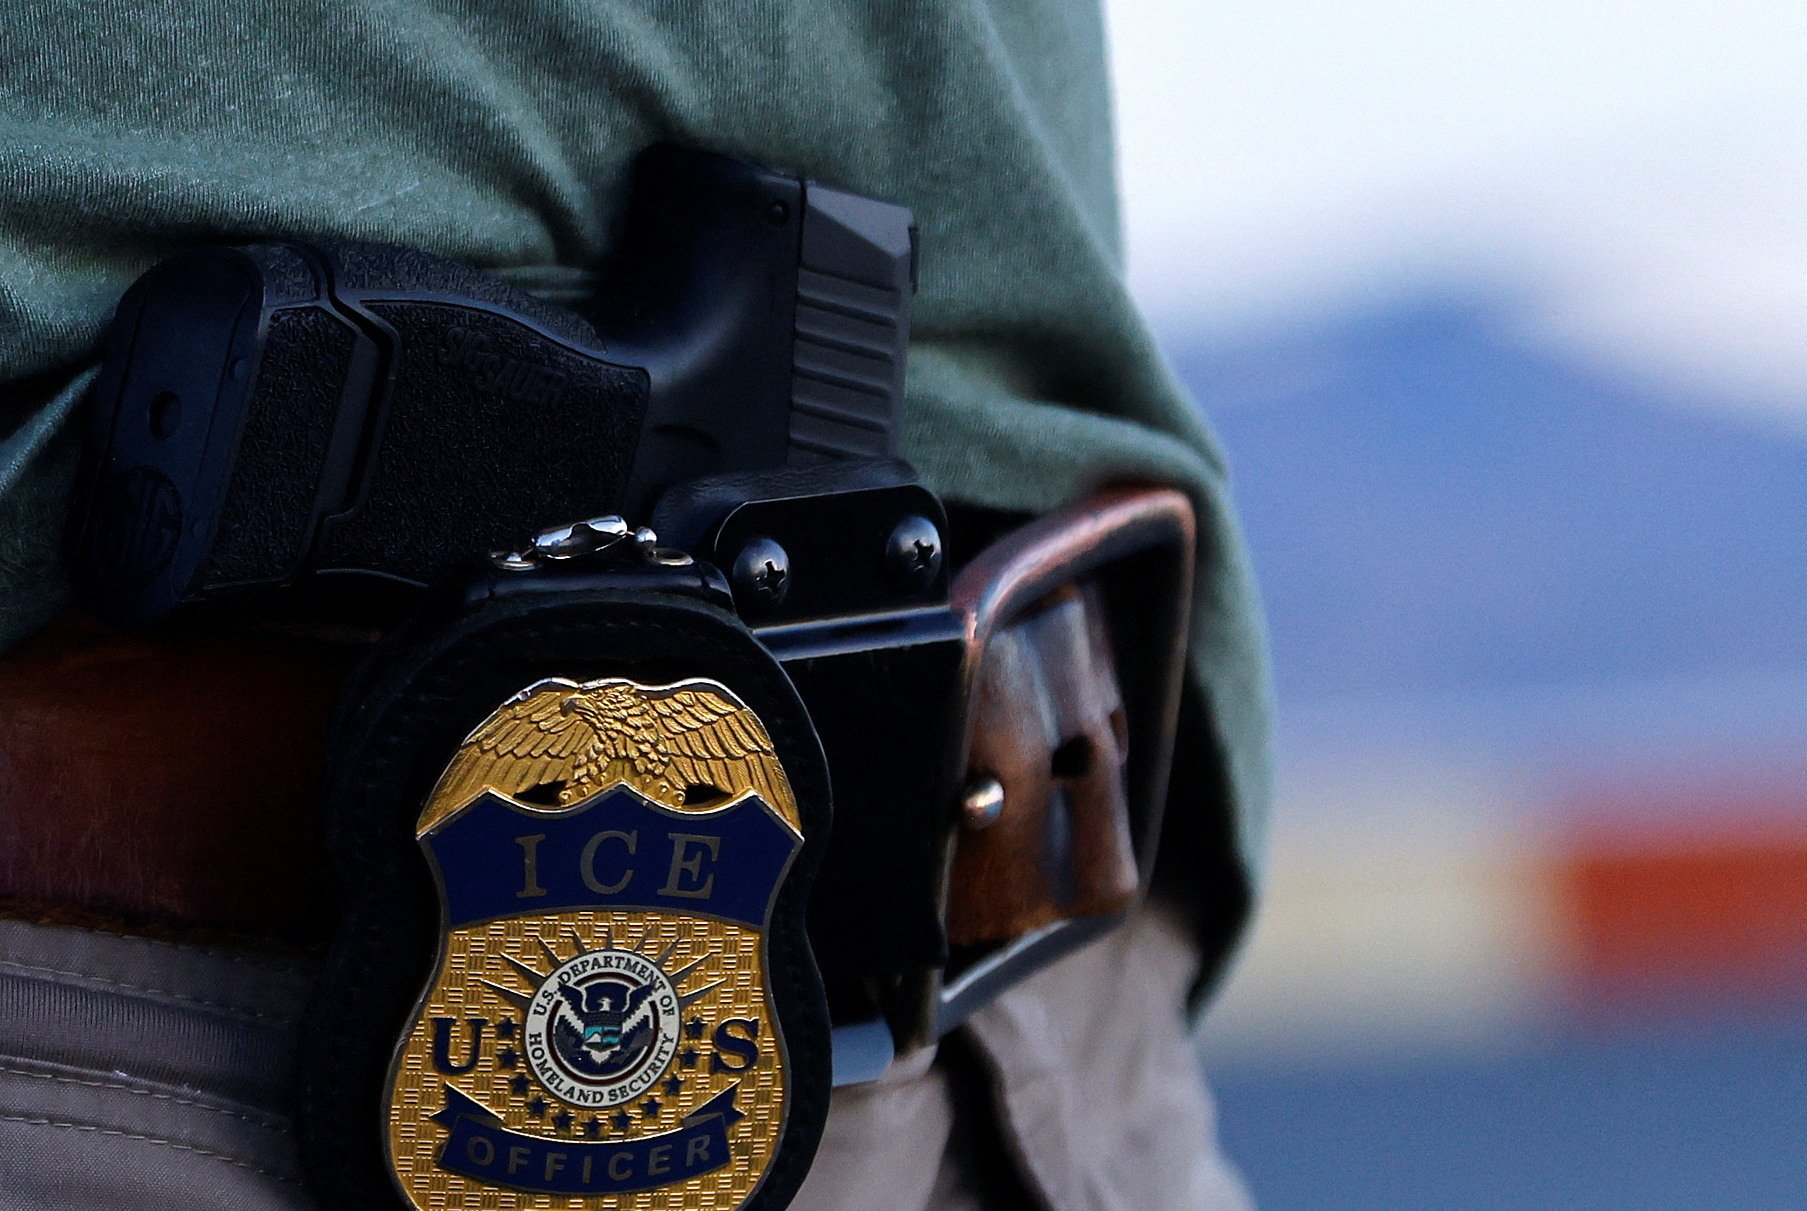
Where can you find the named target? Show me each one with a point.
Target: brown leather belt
(169, 784)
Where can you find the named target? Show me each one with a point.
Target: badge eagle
(599, 1031)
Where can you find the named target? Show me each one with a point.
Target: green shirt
(498, 133)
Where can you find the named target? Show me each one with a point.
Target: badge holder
(615, 798)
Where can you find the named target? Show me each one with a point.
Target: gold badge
(599, 1031)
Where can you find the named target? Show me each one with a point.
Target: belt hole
(1073, 759)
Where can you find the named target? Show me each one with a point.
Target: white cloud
(1637, 171)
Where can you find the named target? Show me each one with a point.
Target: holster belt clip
(1075, 631)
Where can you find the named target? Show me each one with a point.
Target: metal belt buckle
(1131, 547)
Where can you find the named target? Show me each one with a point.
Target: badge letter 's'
(599, 1031)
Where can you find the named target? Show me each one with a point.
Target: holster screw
(762, 574)
(913, 553)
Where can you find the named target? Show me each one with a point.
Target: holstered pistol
(648, 832)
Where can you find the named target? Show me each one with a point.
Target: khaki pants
(136, 1074)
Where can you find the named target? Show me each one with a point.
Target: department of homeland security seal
(602, 1027)
(599, 1030)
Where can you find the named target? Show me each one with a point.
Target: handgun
(284, 412)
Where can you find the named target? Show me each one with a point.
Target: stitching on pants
(150, 1139)
(32, 969)
(269, 1122)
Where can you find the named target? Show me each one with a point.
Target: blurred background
(1500, 312)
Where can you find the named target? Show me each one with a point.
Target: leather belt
(166, 784)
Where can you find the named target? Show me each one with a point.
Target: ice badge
(599, 1031)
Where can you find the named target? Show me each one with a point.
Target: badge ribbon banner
(481, 1146)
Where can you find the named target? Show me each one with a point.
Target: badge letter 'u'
(599, 1030)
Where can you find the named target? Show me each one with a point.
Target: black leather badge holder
(575, 818)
